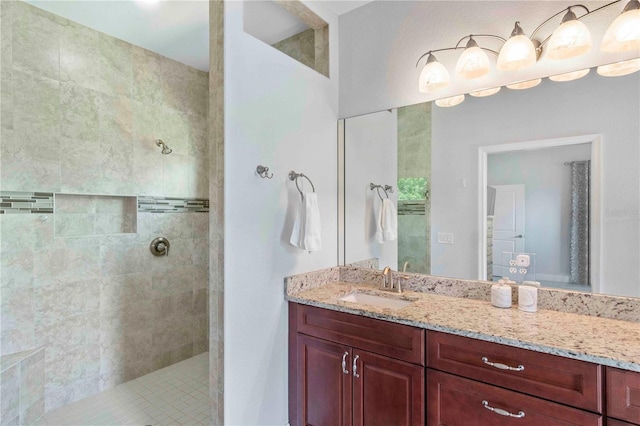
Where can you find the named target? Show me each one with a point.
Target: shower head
(165, 149)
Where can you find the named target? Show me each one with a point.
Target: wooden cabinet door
(455, 401)
(324, 389)
(623, 395)
(386, 391)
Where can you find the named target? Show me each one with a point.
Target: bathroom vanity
(454, 361)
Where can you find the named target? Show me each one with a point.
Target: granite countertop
(603, 341)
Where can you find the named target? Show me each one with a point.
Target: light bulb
(524, 84)
(473, 62)
(572, 38)
(570, 76)
(619, 68)
(449, 102)
(624, 32)
(517, 53)
(485, 92)
(434, 76)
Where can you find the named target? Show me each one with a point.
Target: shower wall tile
(173, 128)
(36, 104)
(80, 166)
(80, 114)
(116, 118)
(116, 166)
(177, 171)
(36, 41)
(79, 108)
(10, 395)
(147, 74)
(29, 161)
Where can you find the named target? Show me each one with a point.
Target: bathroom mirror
(441, 161)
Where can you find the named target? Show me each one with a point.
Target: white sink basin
(379, 301)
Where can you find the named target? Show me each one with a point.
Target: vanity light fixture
(570, 76)
(485, 92)
(473, 62)
(618, 69)
(623, 34)
(434, 75)
(518, 52)
(572, 38)
(451, 101)
(524, 84)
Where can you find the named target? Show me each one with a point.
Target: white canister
(528, 298)
(531, 283)
(501, 295)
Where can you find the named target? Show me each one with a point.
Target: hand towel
(389, 220)
(386, 222)
(306, 232)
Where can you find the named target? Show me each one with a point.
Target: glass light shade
(623, 34)
(569, 76)
(485, 92)
(524, 84)
(572, 38)
(434, 76)
(473, 63)
(449, 102)
(517, 53)
(619, 68)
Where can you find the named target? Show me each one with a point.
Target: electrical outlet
(445, 238)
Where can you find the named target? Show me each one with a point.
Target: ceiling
(177, 29)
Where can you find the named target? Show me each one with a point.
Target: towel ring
(386, 189)
(294, 177)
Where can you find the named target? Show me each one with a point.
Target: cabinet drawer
(456, 401)
(614, 422)
(397, 341)
(564, 380)
(623, 395)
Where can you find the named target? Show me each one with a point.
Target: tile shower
(80, 114)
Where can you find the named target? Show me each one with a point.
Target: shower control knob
(160, 247)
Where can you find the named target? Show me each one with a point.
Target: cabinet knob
(355, 366)
(344, 363)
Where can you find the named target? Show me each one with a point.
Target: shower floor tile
(175, 395)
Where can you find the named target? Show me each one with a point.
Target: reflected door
(508, 225)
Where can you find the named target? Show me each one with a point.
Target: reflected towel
(306, 232)
(386, 222)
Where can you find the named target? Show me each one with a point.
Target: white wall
(547, 184)
(280, 114)
(371, 152)
(592, 105)
(381, 42)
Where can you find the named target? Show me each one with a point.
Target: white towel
(386, 222)
(306, 232)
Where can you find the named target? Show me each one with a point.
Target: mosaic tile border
(12, 202)
(411, 207)
(20, 202)
(151, 204)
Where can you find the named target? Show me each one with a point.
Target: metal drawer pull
(502, 412)
(502, 366)
(344, 363)
(355, 366)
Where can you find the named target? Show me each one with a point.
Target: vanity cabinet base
(338, 384)
(455, 401)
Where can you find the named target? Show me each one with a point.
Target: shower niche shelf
(79, 215)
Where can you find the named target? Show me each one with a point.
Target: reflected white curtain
(579, 229)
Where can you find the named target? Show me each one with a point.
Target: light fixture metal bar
(455, 48)
(481, 35)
